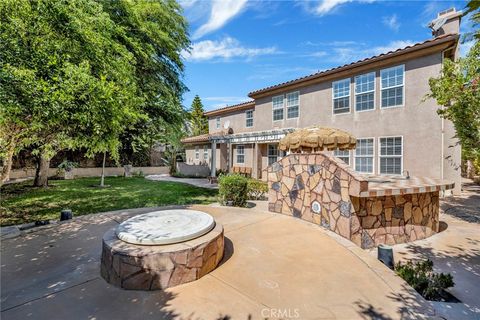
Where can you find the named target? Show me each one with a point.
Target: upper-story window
(341, 96)
(249, 118)
(277, 108)
(343, 155)
(391, 155)
(365, 92)
(392, 84)
(364, 155)
(205, 152)
(197, 153)
(217, 122)
(292, 105)
(240, 154)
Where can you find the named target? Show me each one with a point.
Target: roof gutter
(319, 77)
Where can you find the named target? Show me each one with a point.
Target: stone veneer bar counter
(368, 210)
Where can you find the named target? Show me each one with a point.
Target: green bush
(421, 277)
(257, 189)
(234, 188)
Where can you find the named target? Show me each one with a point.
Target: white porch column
(213, 170)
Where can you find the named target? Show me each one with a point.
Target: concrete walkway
(198, 182)
(455, 250)
(275, 267)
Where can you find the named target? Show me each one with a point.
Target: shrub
(257, 189)
(234, 188)
(421, 277)
(67, 165)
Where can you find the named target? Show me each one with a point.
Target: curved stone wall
(140, 267)
(325, 191)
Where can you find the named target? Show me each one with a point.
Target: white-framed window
(365, 92)
(240, 154)
(293, 105)
(274, 154)
(391, 155)
(217, 122)
(341, 96)
(277, 107)
(249, 118)
(205, 152)
(364, 152)
(197, 152)
(343, 155)
(392, 85)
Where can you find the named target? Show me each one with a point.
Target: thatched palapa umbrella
(314, 139)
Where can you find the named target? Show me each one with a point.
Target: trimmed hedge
(233, 188)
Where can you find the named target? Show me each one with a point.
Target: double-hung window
(249, 118)
(343, 155)
(197, 153)
(277, 106)
(205, 152)
(391, 152)
(365, 92)
(364, 152)
(240, 154)
(217, 122)
(392, 83)
(341, 96)
(292, 105)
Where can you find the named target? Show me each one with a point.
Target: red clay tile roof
(414, 47)
(199, 138)
(236, 107)
(205, 137)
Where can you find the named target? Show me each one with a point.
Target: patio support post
(213, 172)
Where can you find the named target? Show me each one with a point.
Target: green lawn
(21, 203)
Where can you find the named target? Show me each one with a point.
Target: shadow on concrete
(465, 207)
(227, 252)
(412, 306)
(463, 262)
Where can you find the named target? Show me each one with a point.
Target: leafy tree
(199, 121)
(78, 73)
(458, 91)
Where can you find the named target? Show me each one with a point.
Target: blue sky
(239, 46)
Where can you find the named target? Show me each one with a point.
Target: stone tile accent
(138, 267)
(298, 180)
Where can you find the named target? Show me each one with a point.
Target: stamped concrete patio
(274, 267)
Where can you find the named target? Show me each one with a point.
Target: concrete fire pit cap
(317, 138)
(165, 227)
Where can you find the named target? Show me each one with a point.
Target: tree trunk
(41, 175)
(102, 179)
(7, 164)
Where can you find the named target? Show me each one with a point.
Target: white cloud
(391, 22)
(225, 49)
(349, 54)
(327, 6)
(187, 3)
(220, 13)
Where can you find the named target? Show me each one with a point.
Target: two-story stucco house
(380, 100)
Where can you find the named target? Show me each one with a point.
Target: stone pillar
(213, 172)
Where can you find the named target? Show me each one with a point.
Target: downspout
(442, 165)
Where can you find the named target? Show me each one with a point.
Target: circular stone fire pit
(161, 249)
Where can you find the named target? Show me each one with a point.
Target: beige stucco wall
(249, 153)
(237, 121)
(417, 121)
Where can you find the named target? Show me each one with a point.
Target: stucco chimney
(447, 22)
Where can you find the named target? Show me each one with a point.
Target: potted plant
(66, 168)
